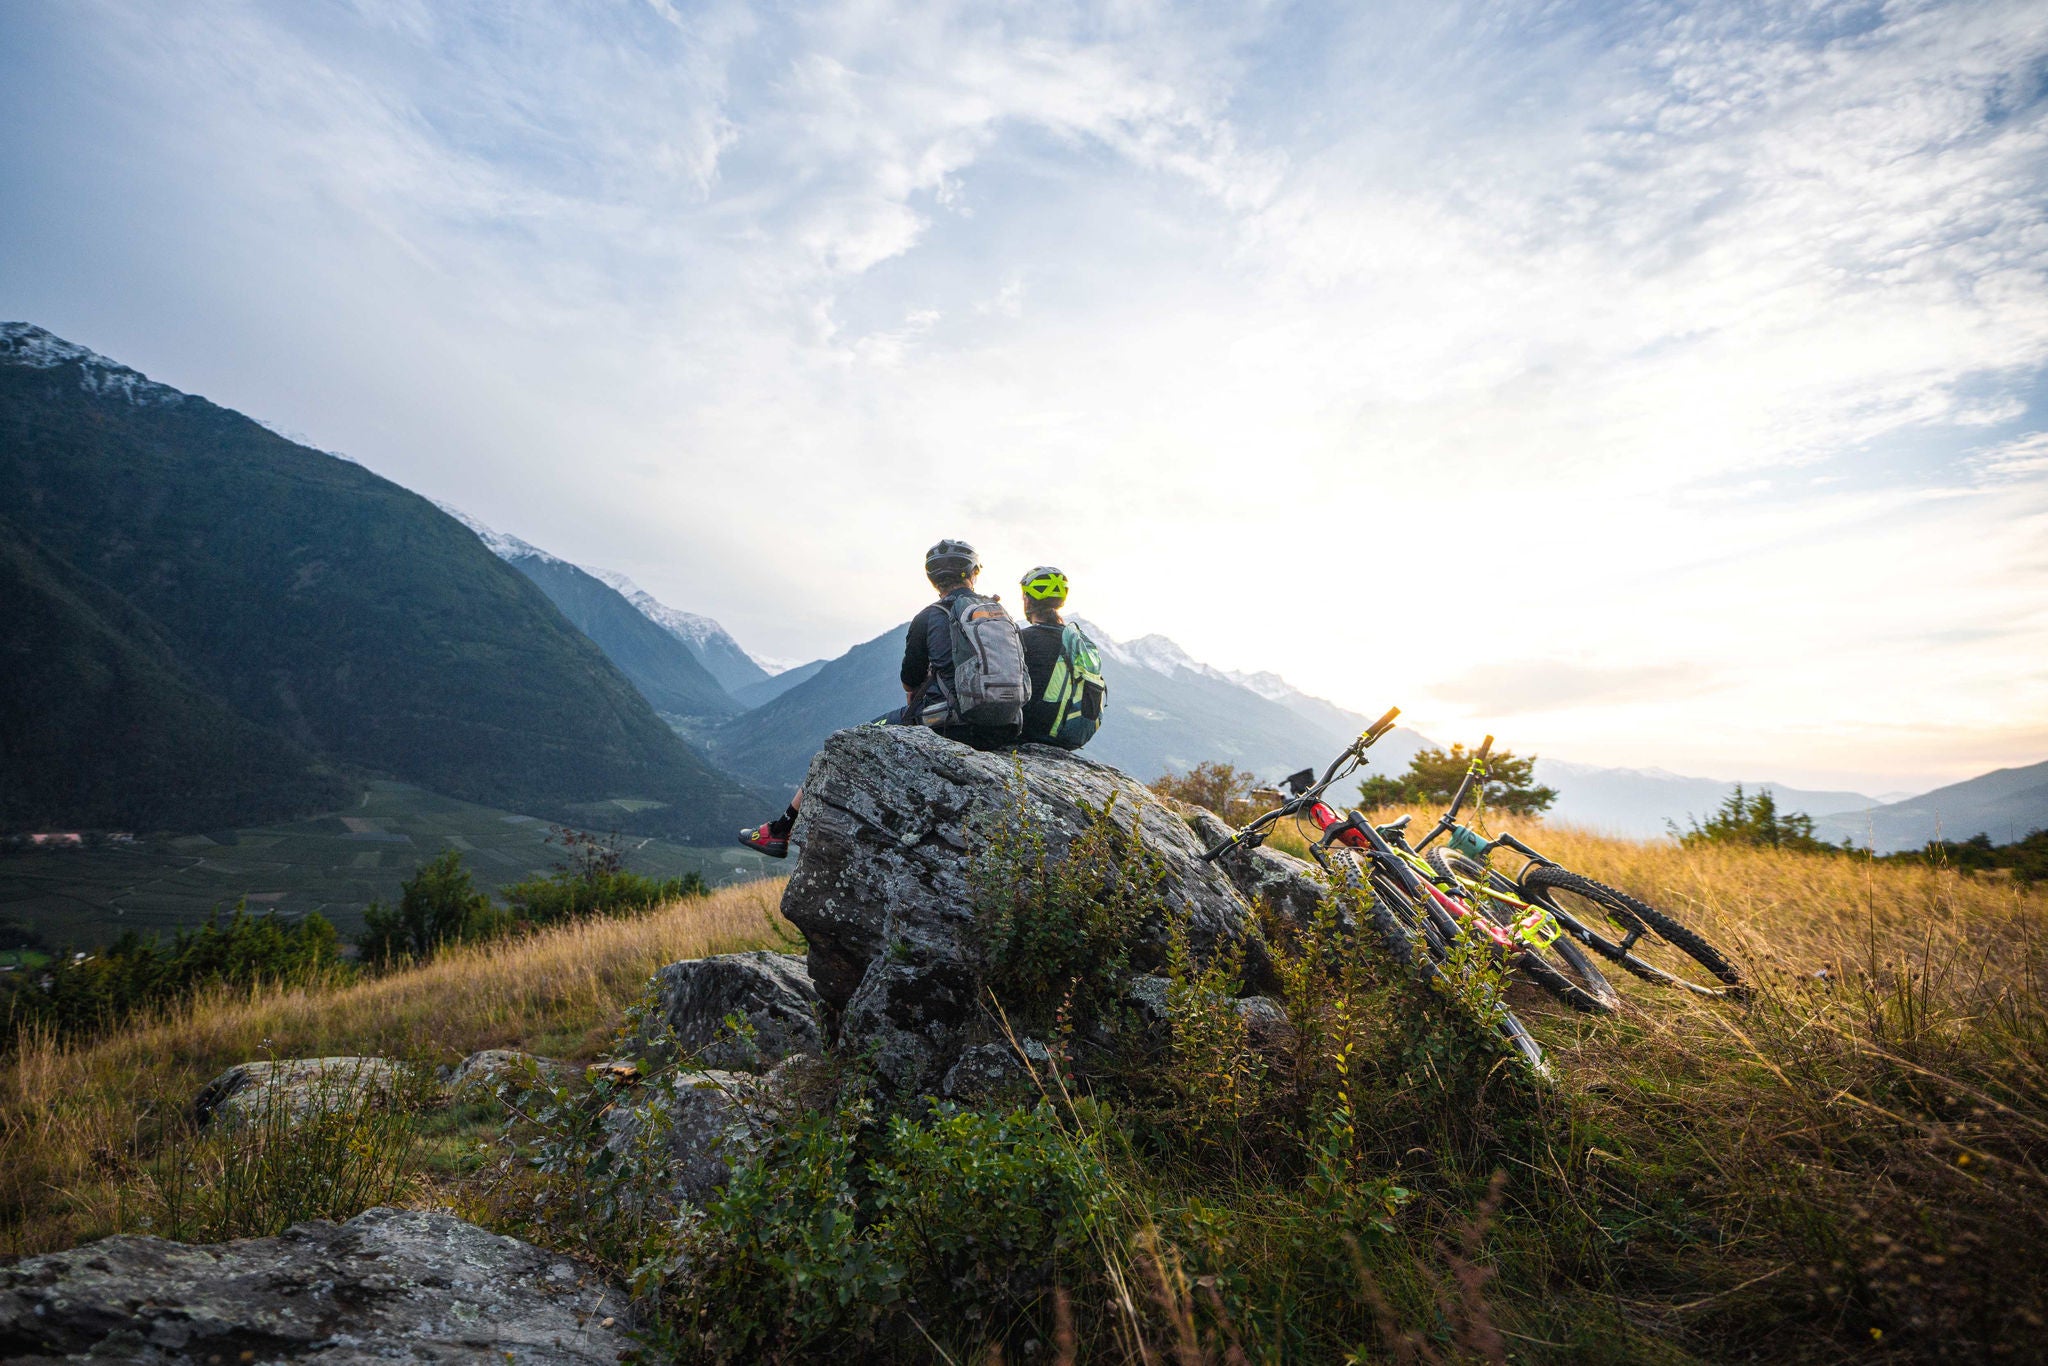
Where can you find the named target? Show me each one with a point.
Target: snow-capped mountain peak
(685, 626)
(504, 546)
(27, 345)
(1266, 684)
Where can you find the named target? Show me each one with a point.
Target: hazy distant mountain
(236, 573)
(773, 743)
(2007, 804)
(711, 643)
(1171, 712)
(1640, 802)
(664, 668)
(1166, 712)
(768, 689)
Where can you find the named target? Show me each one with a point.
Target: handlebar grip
(1485, 748)
(1381, 726)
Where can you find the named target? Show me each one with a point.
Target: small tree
(1222, 788)
(439, 904)
(1755, 821)
(1434, 774)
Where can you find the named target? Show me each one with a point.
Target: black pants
(974, 737)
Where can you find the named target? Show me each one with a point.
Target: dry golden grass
(77, 1120)
(1857, 1155)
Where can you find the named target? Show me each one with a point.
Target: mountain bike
(1643, 939)
(1419, 922)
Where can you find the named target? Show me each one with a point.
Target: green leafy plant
(75, 994)
(1057, 924)
(439, 904)
(1755, 821)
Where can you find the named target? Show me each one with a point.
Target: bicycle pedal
(1538, 929)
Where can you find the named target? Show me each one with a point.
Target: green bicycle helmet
(1045, 584)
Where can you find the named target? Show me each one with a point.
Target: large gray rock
(686, 1131)
(688, 1003)
(1291, 888)
(388, 1285)
(298, 1087)
(478, 1076)
(881, 893)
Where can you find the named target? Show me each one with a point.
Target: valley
(335, 864)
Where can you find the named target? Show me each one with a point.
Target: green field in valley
(335, 864)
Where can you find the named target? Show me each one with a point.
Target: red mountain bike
(1418, 921)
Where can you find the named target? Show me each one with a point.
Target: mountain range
(2007, 804)
(212, 624)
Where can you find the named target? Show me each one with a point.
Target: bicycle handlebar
(1312, 793)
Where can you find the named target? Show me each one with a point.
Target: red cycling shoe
(763, 840)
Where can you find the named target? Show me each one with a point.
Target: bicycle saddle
(1397, 826)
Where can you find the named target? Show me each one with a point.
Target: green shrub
(1057, 925)
(842, 1236)
(439, 904)
(989, 1211)
(77, 994)
(1757, 822)
(565, 896)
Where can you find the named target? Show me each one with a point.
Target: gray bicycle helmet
(952, 557)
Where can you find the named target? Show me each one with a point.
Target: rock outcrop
(689, 1002)
(388, 1285)
(687, 1130)
(300, 1086)
(881, 888)
(1291, 887)
(478, 1075)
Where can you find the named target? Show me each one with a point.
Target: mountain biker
(927, 676)
(1067, 691)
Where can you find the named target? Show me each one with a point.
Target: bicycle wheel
(1651, 944)
(1412, 935)
(1560, 967)
(1397, 921)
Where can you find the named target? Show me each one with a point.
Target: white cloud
(1238, 315)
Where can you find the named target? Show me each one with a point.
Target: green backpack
(1071, 705)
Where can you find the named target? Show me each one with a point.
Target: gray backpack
(990, 683)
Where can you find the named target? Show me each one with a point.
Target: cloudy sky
(1648, 384)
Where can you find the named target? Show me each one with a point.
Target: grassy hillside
(1848, 1167)
(77, 1123)
(317, 600)
(335, 863)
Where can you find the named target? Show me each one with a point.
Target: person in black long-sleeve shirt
(927, 663)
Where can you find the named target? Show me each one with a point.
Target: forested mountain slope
(312, 598)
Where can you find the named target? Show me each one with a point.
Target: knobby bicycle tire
(1542, 880)
(1560, 968)
(1416, 942)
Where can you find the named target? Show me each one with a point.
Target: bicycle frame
(1468, 842)
(1408, 872)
